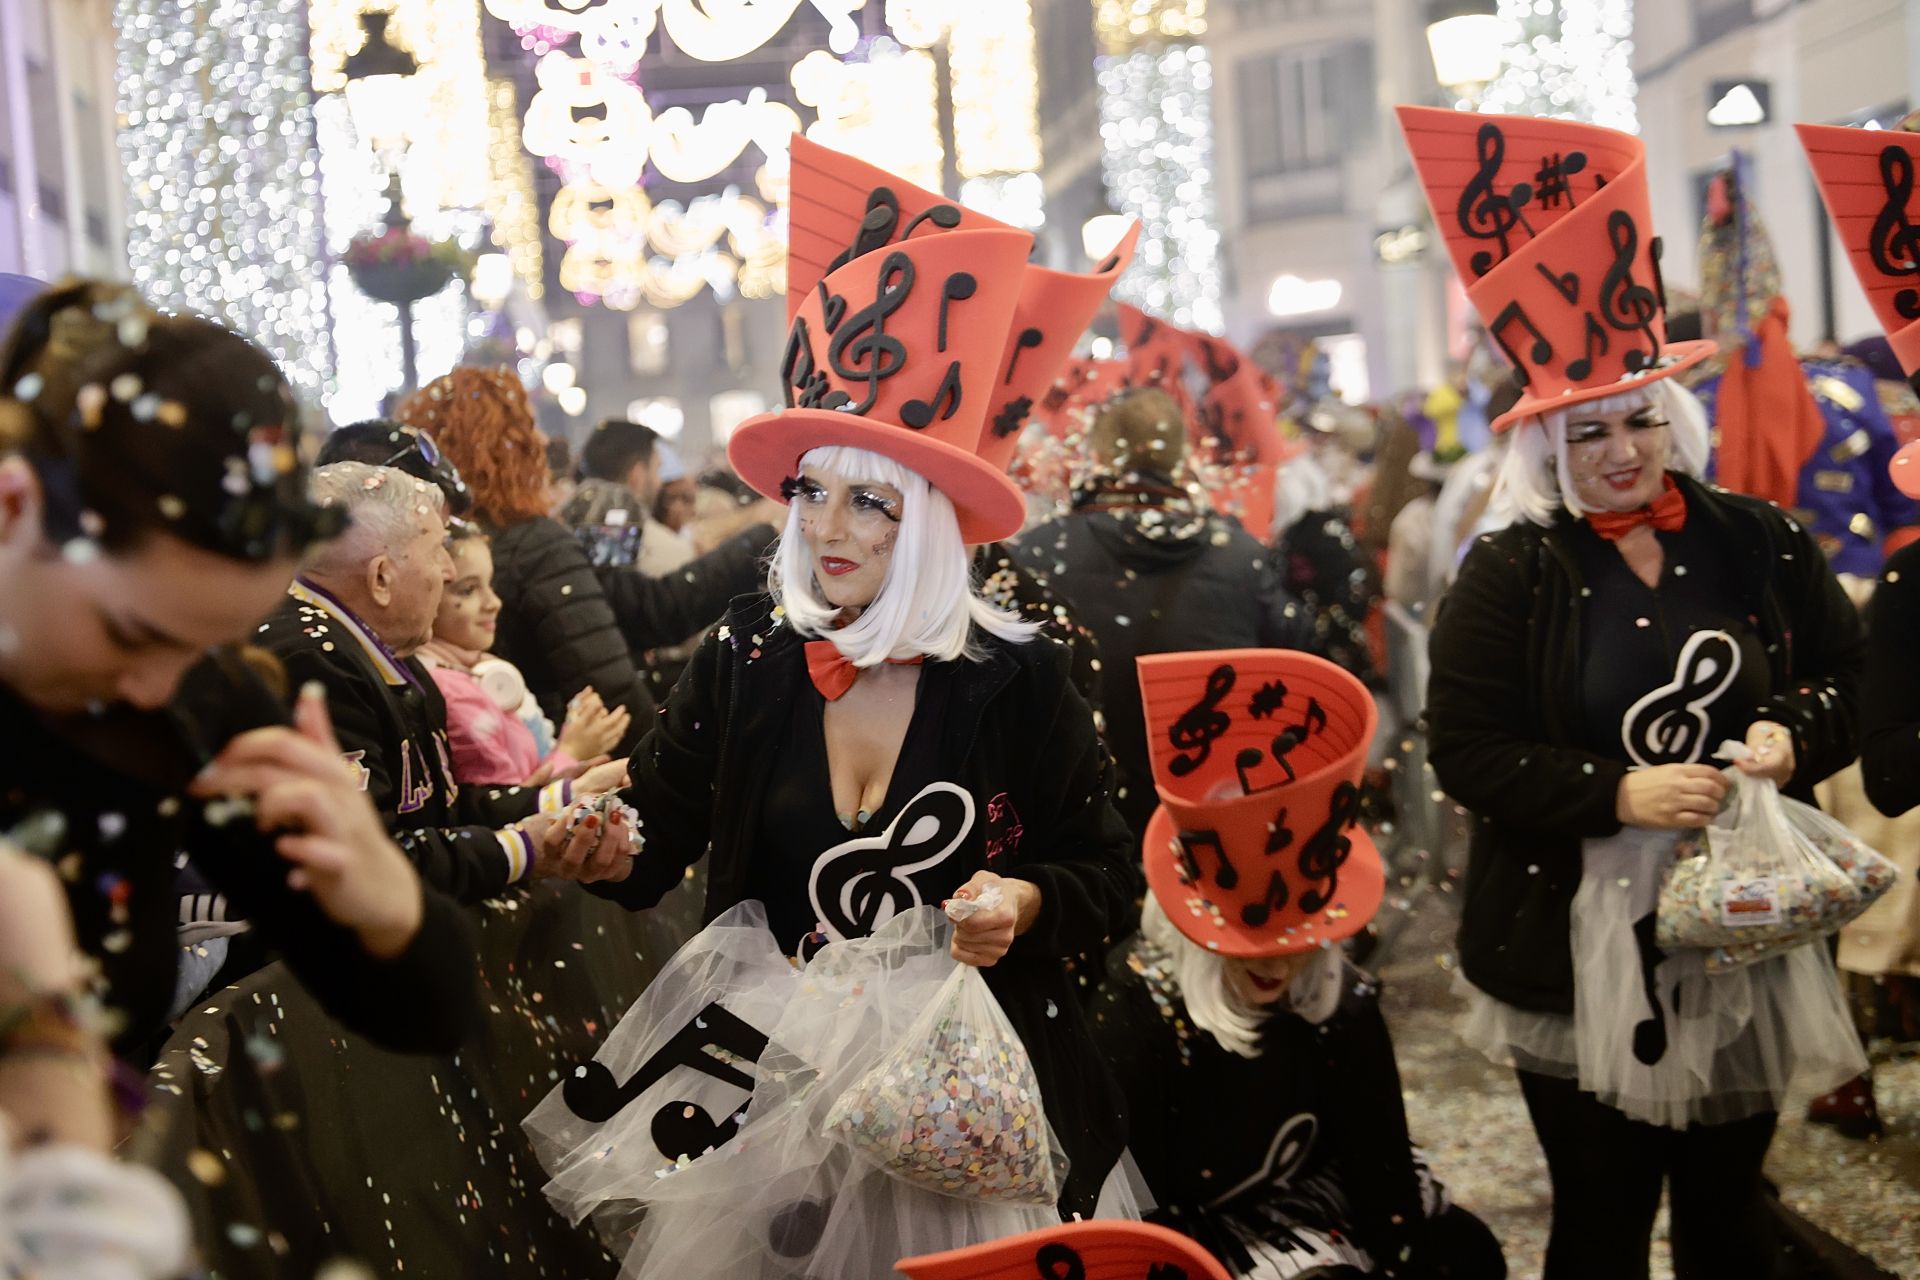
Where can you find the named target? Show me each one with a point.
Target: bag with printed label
(1767, 875)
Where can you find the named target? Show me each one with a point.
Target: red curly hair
(483, 422)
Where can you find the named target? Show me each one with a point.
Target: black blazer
(1504, 695)
(392, 723)
(1890, 714)
(1018, 739)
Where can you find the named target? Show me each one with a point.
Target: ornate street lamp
(1467, 39)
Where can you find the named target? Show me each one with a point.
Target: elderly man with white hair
(361, 607)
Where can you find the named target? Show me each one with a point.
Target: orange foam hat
(1257, 756)
(1098, 1250)
(1866, 178)
(841, 207)
(1085, 383)
(1243, 403)
(897, 351)
(1549, 225)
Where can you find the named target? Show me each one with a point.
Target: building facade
(62, 197)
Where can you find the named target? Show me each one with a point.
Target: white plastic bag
(1764, 877)
(955, 1106)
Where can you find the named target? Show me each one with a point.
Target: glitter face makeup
(1618, 461)
(850, 528)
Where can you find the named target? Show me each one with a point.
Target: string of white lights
(223, 182)
(1572, 60)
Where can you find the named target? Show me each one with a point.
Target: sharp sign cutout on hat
(1257, 756)
(1866, 178)
(1548, 224)
(1097, 1250)
(919, 330)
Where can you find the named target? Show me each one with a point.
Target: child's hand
(591, 730)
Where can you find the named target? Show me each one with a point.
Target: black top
(1017, 741)
(1890, 711)
(557, 626)
(922, 842)
(1219, 1135)
(1506, 707)
(1668, 672)
(1160, 580)
(103, 796)
(392, 723)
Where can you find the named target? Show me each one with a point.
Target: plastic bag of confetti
(955, 1107)
(1872, 875)
(1758, 882)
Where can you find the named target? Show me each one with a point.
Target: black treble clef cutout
(679, 1127)
(1671, 724)
(920, 413)
(1197, 728)
(1625, 304)
(1542, 350)
(1328, 848)
(1483, 212)
(857, 886)
(1894, 245)
(1058, 1262)
(862, 350)
(1028, 339)
(1226, 875)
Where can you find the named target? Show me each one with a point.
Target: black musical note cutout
(679, 1128)
(862, 350)
(1579, 369)
(1283, 745)
(1279, 834)
(1670, 724)
(943, 216)
(1194, 732)
(959, 287)
(1028, 339)
(1267, 699)
(1258, 913)
(1650, 1033)
(1058, 1262)
(920, 413)
(876, 228)
(1328, 848)
(1247, 759)
(859, 885)
(1568, 283)
(1657, 250)
(1542, 352)
(1625, 304)
(807, 387)
(1894, 244)
(1227, 876)
(1485, 214)
(1012, 416)
(833, 307)
(1551, 184)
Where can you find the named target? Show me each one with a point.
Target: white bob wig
(1534, 483)
(1201, 975)
(926, 606)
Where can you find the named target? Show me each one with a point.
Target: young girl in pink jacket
(498, 736)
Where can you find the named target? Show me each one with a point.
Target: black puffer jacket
(1017, 738)
(1504, 702)
(1156, 579)
(556, 624)
(1890, 714)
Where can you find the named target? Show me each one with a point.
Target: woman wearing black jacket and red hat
(1586, 664)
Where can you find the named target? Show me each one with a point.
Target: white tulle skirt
(762, 1193)
(1656, 1035)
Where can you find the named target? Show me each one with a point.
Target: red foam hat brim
(765, 450)
(1096, 1250)
(1678, 357)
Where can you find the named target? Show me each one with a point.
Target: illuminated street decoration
(223, 192)
(511, 201)
(884, 110)
(589, 119)
(1156, 121)
(1572, 60)
(684, 151)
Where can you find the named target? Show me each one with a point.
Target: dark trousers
(1607, 1171)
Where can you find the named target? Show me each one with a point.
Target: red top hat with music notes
(1257, 756)
(1549, 226)
(1866, 178)
(843, 208)
(1097, 1250)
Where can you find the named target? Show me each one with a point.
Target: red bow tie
(834, 673)
(1667, 513)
